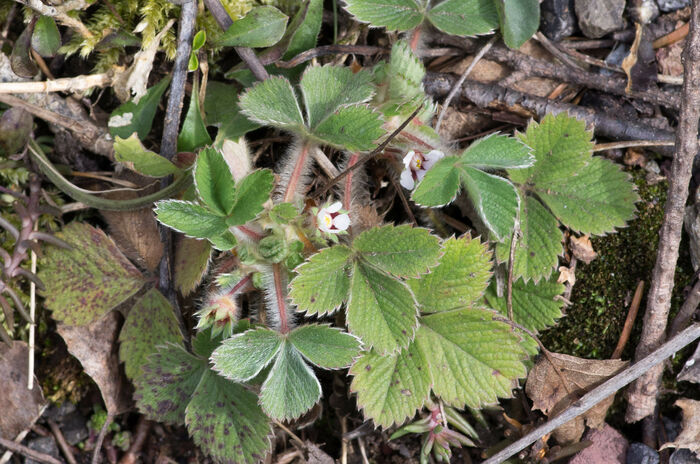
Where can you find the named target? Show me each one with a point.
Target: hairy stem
(347, 194)
(280, 293)
(297, 173)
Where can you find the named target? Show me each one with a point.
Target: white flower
(416, 164)
(331, 221)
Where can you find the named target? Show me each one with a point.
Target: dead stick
(690, 305)
(629, 321)
(30, 453)
(601, 392)
(66, 84)
(642, 394)
(331, 50)
(61, 440)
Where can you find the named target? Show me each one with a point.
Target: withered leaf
(582, 248)
(192, 258)
(20, 407)
(640, 64)
(690, 427)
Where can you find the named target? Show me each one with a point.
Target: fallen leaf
(15, 126)
(635, 157)
(20, 407)
(317, 455)
(640, 64)
(608, 446)
(95, 346)
(557, 380)
(566, 275)
(192, 259)
(582, 248)
(689, 437)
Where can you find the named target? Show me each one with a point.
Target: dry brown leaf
(635, 157)
(566, 275)
(557, 380)
(582, 248)
(640, 64)
(691, 368)
(19, 407)
(690, 427)
(192, 259)
(95, 346)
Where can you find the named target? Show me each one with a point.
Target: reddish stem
(281, 300)
(240, 285)
(296, 173)
(347, 197)
(250, 233)
(415, 37)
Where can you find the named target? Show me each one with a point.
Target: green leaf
(391, 388)
(326, 88)
(473, 359)
(283, 213)
(291, 388)
(399, 15)
(597, 199)
(150, 322)
(132, 153)
(353, 128)
(191, 263)
(224, 419)
(406, 72)
(87, 281)
(21, 60)
(169, 377)
(403, 250)
(273, 103)
(534, 305)
(46, 40)
(224, 241)
(243, 356)
(199, 40)
(221, 109)
(325, 346)
(304, 28)
(519, 20)
(539, 245)
(190, 219)
(193, 63)
(464, 17)
(322, 283)
(495, 200)
(250, 195)
(440, 185)
(263, 26)
(193, 134)
(214, 181)
(138, 117)
(458, 281)
(497, 152)
(381, 310)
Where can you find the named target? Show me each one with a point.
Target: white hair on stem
(280, 311)
(294, 171)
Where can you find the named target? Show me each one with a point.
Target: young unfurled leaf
(138, 116)
(274, 103)
(214, 181)
(381, 310)
(535, 306)
(250, 195)
(406, 72)
(458, 281)
(402, 251)
(323, 282)
(283, 213)
(519, 20)
(200, 38)
(495, 200)
(291, 388)
(325, 346)
(262, 27)
(46, 40)
(193, 134)
(464, 17)
(440, 184)
(243, 356)
(90, 279)
(190, 219)
(391, 388)
(131, 152)
(150, 322)
(497, 152)
(400, 15)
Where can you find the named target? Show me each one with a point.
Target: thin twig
(30, 453)
(404, 202)
(462, 78)
(101, 438)
(629, 321)
(554, 50)
(511, 264)
(32, 319)
(291, 434)
(142, 429)
(61, 440)
(365, 50)
(65, 84)
(690, 305)
(601, 392)
(633, 144)
(642, 394)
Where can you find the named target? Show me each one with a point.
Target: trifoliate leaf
(169, 377)
(561, 145)
(291, 388)
(458, 281)
(406, 72)
(497, 152)
(214, 181)
(193, 134)
(272, 102)
(473, 359)
(243, 356)
(402, 251)
(263, 26)
(391, 388)
(353, 128)
(519, 20)
(150, 322)
(190, 219)
(464, 17)
(322, 283)
(534, 305)
(325, 346)
(250, 195)
(46, 39)
(191, 262)
(539, 245)
(138, 117)
(440, 184)
(133, 154)
(495, 200)
(88, 280)
(224, 419)
(597, 199)
(399, 15)
(326, 88)
(381, 310)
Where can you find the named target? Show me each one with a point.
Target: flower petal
(408, 158)
(334, 207)
(341, 222)
(406, 180)
(431, 158)
(324, 221)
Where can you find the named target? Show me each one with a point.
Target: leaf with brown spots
(20, 407)
(90, 279)
(191, 263)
